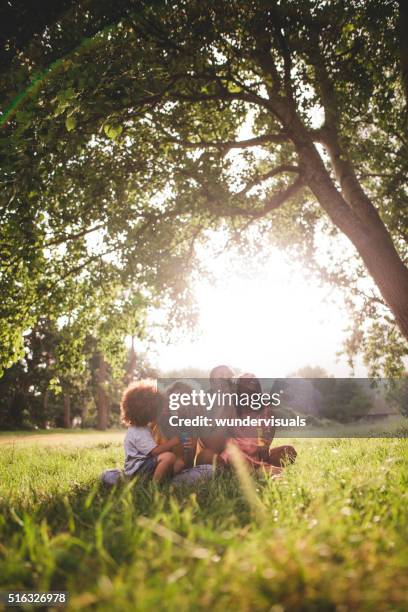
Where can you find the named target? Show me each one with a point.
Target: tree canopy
(131, 128)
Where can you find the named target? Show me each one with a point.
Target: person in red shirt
(255, 446)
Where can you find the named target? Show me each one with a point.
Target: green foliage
(398, 394)
(60, 361)
(310, 372)
(330, 541)
(106, 186)
(343, 399)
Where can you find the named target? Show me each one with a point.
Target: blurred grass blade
(245, 480)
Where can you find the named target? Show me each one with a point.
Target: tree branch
(351, 188)
(273, 203)
(231, 144)
(264, 177)
(286, 55)
(65, 237)
(223, 95)
(403, 47)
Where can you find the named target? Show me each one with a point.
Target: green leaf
(66, 94)
(112, 131)
(70, 123)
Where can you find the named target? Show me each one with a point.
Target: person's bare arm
(166, 446)
(267, 436)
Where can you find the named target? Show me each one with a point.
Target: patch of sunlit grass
(330, 533)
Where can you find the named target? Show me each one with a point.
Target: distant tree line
(38, 391)
(343, 399)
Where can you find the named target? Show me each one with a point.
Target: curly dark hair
(140, 403)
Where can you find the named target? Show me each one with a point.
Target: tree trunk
(350, 209)
(67, 410)
(354, 214)
(102, 405)
(45, 408)
(389, 273)
(84, 413)
(132, 362)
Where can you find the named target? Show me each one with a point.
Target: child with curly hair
(140, 405)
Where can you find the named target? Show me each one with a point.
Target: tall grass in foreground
(332, 533)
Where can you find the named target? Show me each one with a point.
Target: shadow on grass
(94, 530)
(85, 503)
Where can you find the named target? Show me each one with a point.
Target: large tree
(142, 123)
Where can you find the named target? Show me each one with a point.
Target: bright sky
(270, 321)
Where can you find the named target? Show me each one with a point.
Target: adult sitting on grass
(255, 445)
(211, 445)
(256, 451)
(140, 405)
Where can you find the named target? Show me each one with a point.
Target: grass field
(331, 534)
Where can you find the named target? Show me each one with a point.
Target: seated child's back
(139, 443)
(139, 407)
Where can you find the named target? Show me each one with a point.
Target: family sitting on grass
(153, 452)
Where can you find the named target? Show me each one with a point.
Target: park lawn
(54, 437)
(331, 534)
